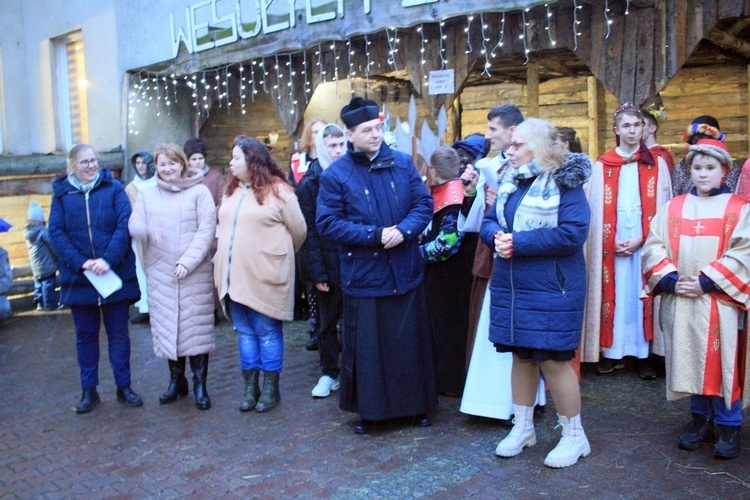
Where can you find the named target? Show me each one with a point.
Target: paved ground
(305, 448)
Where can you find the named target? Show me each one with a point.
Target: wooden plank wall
(719, 91)
(562, 101)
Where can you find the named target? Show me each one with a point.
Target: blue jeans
(260, 339)
(713, 407)
(87, 319)
(44, 292)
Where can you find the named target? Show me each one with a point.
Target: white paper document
(106, 284)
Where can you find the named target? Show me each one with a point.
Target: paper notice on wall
(442, 81)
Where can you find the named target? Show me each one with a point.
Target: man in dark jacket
(320, 259)
(374, 205)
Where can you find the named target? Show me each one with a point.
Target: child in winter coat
(42, 258)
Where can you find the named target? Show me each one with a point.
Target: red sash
(450, 193)
(647, 177)
(664, 154)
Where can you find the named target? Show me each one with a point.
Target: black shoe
(252, 390)
(607, 365)
(362, 426)
(312, 344)
(140, 318)
(270, 396)
(199, 365)
(423, 420)
(729, 441)
(698, 431)
(178, 384)
(89, 401)
(646, 369)
(126, 396)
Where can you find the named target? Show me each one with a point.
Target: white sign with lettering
(442, 82)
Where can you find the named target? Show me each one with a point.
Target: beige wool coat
(176, 221)
(261, 241)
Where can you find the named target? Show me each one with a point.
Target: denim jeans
(87, 320)
(44, 292)
(260, 339)
(713, 407)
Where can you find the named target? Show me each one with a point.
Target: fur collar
(574, 172)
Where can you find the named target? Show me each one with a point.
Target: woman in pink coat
(176, 221)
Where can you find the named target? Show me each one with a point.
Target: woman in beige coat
(261, 227)
(176, 221)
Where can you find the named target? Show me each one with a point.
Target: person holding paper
(88, 227)
(176, 222)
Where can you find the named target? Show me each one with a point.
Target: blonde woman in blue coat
(537, 229)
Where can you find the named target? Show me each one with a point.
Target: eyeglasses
(86, 163)
(516, 145)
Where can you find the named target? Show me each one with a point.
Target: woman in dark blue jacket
(537, 228)
(88, 227)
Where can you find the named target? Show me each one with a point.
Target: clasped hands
(504, 244)
(391, 237)
(98, 266)
(688, 287)
(626, 248)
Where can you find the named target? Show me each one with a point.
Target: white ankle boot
(572, 445)
(521, 435)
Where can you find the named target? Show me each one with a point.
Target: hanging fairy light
(467, 30)
(264, 78)
(443, 60)
(606, 18)
(174, 87)
(225, 83)
(349, 54)
(242, 89)
(253, 90)
(523, 35)
(336, 58)
(392, 47)
(290, 84)
(576, 22)
(321, 71)
(278, 79)
(166, 95)
(304, 74)
(501, 41)
(422, 55)
(367, 67)
(548, 28)
(627, 7)
(205, 92)
(216, 87)
(484, 51)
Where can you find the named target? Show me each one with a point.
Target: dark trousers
(44, 291)
(87, 321)
(329, 309)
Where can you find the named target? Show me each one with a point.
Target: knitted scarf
(538, 208)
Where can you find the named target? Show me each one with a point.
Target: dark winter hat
(36, 212)
(472, 144)
(359, 110)
(193, 146)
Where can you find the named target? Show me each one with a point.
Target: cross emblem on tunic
(610, 172)
(698, 227)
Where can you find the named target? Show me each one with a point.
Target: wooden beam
(726, 41)
(593, 117)
(532, 95)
